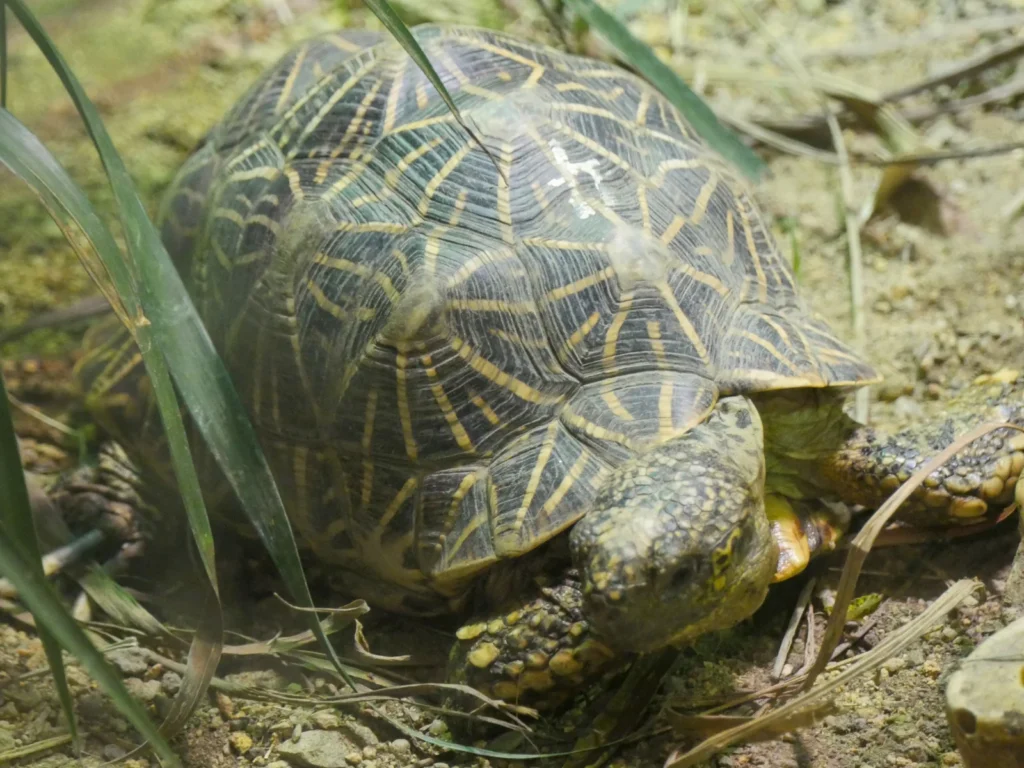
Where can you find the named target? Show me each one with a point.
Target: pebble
(132, 662)
(171, 683)
(113, 752)
(240, 742)
(317, 749)
(401, 746)
(894, 665)
(143, 690)
(325, 721)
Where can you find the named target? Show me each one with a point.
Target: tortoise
(566, 386)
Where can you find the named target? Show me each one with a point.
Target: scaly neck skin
(804, 430)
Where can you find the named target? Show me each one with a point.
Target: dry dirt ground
(943, 296)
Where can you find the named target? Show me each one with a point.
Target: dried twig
(794, 624)
(1000, 53)
(968, 28)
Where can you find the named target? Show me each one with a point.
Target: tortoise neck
(804, 429)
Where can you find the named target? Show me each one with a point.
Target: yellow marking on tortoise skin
(564, 291)
(700, 206)
(612, 401)
(473, 264)
(362, 314)
(571, 477)
(572, 418)
(611, 337)
(483, 655)
(489, 370)
(404, 416)
(642, 107)
(350, 132)
(729, 255)
(337, 94)
(598, 149)
(673, 229)
(579, 335)
(366, 445)
(492, 305)
(458, 208)
(486, 410)
(504, 192)
(676, 164)
(755, 257)
(543, 456)
(684, 321)
(397, 86)
(771, 348)
(441, 398)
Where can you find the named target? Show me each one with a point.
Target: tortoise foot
(538, 652)
(105, 496)
(973, 486)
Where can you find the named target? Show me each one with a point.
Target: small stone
(132, 662)
(325, 721)
(950, 759)
(240, 742)
(171, 683)
(948, 633)
(915, 657)
(931, 668)
(360, 734)
(225, 705)
(369, 753)
(112, 752)
(143, 690)
(317, 749)
(355, 758)
(401, 746)
(436, 728)
(894, 665)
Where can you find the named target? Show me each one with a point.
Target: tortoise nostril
(682, 576)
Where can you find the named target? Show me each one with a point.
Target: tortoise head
(678, 543)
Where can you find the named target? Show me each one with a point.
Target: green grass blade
(17, 525)
(646, 62)
(3, 55)
(21, 564)
(198, 371)
(27, 158)
(391, 21)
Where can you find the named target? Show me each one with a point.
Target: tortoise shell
(446, 351)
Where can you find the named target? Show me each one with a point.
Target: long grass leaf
(640, 56)
(391, 21)
(3, 56)
(21, 564)
(198, 371)
(16, 524)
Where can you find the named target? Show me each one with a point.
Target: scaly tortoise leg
(862, 465)
(537, 651)
(975, 485)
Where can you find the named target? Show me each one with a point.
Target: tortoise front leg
(972, 487)
(537, 649)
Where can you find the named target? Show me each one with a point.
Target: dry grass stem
(811, 700)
